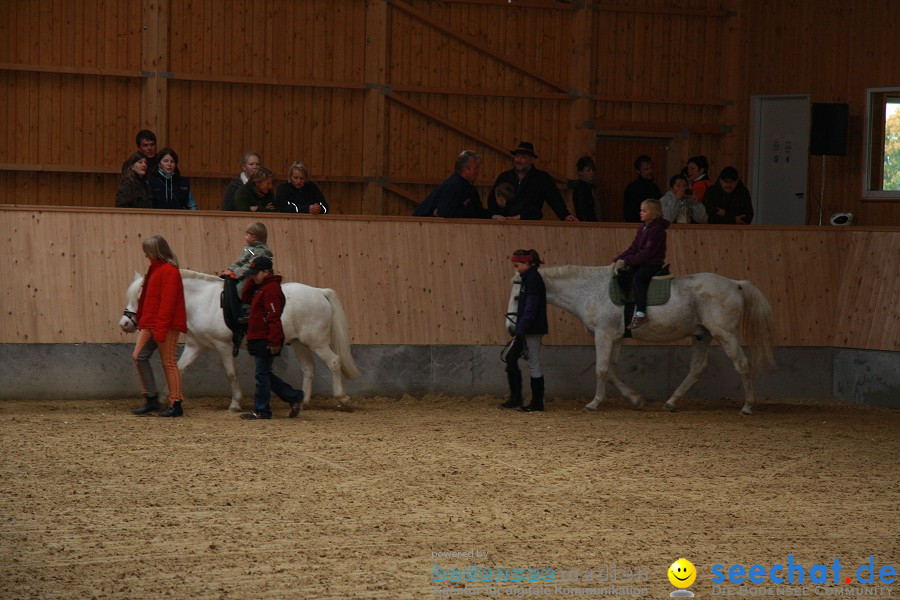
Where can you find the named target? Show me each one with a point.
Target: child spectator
(265, 338)
(160, 317)
(531, 324)
(645, 256)
(134, 190)
(679, 205)
(505, 201)
(698, 178)
(584, 196)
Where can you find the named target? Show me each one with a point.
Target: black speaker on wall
(829, 129)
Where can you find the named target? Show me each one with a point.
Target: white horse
(704, 306)
(313, 319)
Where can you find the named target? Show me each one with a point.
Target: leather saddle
(621, 292)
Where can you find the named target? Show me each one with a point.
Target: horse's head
(127, 322)
(512, 308)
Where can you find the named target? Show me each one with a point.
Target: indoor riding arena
(416, 484)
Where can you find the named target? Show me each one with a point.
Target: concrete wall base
(72, 371)
(77, 371)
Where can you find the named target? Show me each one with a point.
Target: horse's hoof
(746, 411)
(638, 404)
(234, 407)
(589, 408)
(669, 407)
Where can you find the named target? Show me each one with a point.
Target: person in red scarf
(160, 316)
(265, 338)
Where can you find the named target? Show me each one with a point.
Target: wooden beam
(658, 129)
(418, 89)
(402, 193)
(219, 78)
(657, 10)
(477, 44)
(666, 100)
(61, 70)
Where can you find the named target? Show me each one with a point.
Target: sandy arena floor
(97, 503)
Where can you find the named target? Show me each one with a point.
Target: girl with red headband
(531, 324)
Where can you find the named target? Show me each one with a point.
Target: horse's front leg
(604, 359)
(189, 354)
(224, 349)
(632, 396)
(699, 360)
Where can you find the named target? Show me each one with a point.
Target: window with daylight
(883, 144)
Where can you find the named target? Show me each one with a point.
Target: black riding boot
(151, 404)
(537, 396)
(515, 390)
(173, 411)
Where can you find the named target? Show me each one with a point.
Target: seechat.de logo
(794, 572)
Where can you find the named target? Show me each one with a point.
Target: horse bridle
(130, 315)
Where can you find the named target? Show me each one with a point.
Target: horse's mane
(188, 274)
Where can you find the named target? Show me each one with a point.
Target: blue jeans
(268, 382)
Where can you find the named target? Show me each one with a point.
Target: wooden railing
(428, 281)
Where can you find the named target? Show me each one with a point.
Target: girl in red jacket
(160, 317)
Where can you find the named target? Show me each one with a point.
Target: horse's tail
(757, 326)
(340, 335)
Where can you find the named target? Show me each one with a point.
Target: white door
(778, 159)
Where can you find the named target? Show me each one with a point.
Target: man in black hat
(533, 187)
(727, 201)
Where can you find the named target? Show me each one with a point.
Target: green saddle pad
(659, 292)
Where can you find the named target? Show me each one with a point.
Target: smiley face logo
(682, 573)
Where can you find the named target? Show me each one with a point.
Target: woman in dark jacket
(300, 195)
(134, 191)
(170, 189)
(531, 324)
(256, 195)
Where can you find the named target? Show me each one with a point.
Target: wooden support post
(734, 77)
(375, 107)
(581, 139)
(154, 66)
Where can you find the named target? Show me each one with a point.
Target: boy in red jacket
(265, 337)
